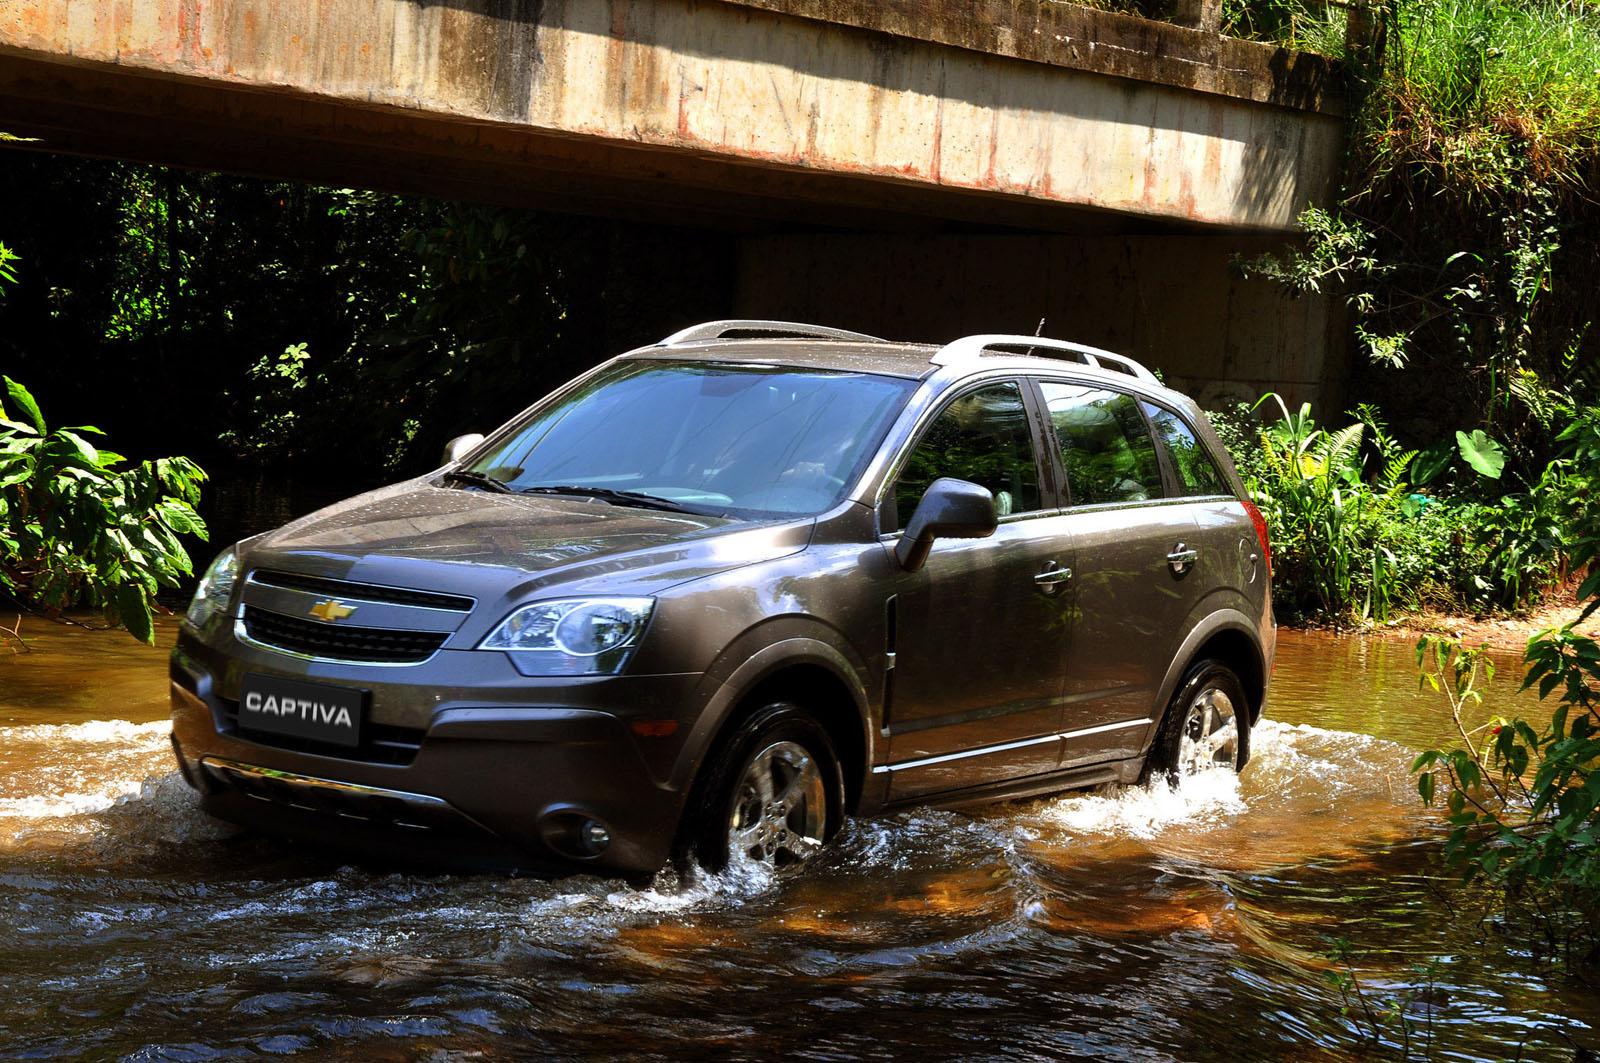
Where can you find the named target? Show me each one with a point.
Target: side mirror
(951, 509)
(457, 448)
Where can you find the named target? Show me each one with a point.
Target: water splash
(132, 736)
(105, 776)
(1207, 799)
(59, 771)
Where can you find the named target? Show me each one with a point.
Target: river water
(1145, 925)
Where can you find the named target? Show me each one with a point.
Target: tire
(1207, 683)
(775, 742)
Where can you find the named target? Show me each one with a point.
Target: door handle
(1052, 577)
(1181, 558)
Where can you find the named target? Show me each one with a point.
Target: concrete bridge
(919, 167)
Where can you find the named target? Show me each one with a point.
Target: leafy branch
(77, 527)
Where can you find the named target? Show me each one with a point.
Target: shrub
(76, 529)
(1336, 531)
(1524, 802)
(1354, 537)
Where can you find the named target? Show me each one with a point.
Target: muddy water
(1146, 925)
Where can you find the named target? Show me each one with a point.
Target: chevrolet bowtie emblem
(331, 610)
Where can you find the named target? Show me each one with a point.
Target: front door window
(983, 437)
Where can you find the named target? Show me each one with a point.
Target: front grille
(366, 592)
(362, 645)
(381, 743)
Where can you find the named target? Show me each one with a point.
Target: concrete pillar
(1199, 14)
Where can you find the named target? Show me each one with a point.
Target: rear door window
(983, 437)
(1106, 449)
(1197, 473)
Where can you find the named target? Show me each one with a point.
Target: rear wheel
(1207, 725)
(771, 795)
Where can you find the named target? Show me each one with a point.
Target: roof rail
(742, 329)
(973, 346)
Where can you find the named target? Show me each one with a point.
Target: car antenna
(1037, 332)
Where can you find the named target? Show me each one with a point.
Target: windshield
(711, 437)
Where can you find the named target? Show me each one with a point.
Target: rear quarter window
(1196, 470)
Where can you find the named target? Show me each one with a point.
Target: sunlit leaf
(24, 401)
(1485, 455)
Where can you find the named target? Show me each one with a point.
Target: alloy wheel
(1210, 737)
(780, 808)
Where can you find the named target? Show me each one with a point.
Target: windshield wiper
(613, 496)
(478, 479)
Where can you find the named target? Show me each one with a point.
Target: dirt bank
(1506, 631)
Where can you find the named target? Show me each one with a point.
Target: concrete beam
(1186, 54)
(1002, 112)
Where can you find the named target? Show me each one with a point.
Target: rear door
(1133, 588)
(979, 639)
(1229, 553)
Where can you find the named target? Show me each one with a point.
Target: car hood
(511, 547)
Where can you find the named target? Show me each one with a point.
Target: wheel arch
(1230, 637)
(805, 668)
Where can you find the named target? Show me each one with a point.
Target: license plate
(316, 711)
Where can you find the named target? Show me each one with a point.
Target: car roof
(909, 361)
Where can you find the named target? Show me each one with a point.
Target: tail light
(1260, 523)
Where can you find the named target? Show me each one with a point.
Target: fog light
(595, 837)
(574, 833)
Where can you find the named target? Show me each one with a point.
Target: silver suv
(716, 594)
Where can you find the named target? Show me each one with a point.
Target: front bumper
(470, 764)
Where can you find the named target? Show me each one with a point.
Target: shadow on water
(1147, 924)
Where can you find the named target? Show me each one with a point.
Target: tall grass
(1308, 26)
(1471, 89)
(1466, 237)
(1482, 91)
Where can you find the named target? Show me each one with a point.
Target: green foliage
(1354, 537)
(1431, 462)
(1523, 803)
(1484, 90)
(1525, 536)
(1466, 235)
(1482, 453)
(1338, 256)
(1312, 27)
(277, 400)
(75, 528)
(1382, 1020)
(1329, 520)
(442, 306)
(289, 321)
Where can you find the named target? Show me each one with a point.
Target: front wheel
(1207, 725)
(771, 795)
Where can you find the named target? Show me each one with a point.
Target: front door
(979, 630)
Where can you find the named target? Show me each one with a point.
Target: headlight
(216, 587)
(573, 636)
